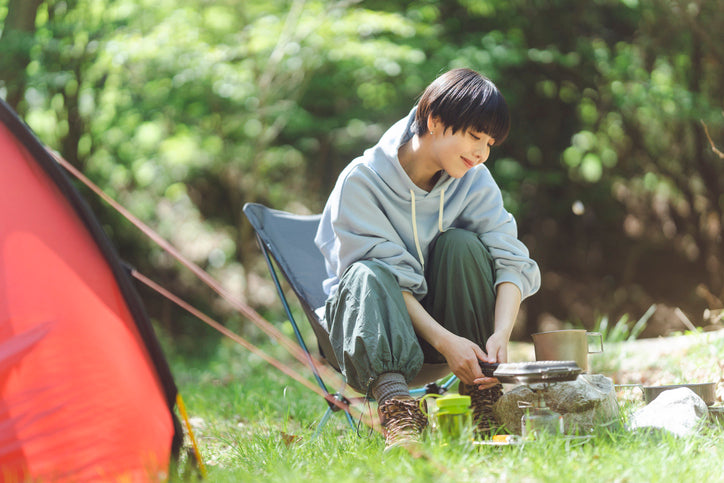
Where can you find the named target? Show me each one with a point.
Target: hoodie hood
(383, 159)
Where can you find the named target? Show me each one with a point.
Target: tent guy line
(286, 369)
(291, 346)
(251, 314)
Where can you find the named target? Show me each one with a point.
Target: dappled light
(186, 110)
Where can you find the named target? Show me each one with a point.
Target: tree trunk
(15, 43)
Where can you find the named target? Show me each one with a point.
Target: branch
(713, 146)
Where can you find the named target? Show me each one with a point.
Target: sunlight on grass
(254, 424)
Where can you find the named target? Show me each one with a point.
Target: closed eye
(491, 141)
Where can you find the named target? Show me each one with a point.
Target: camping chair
(288, 239)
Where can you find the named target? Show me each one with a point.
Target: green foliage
(184, 110)
(622, 330)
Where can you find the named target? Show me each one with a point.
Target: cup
(566, 345)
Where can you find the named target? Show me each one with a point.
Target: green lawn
(253, 423)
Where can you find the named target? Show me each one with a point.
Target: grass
(253, 423)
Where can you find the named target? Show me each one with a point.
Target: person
(424, 263)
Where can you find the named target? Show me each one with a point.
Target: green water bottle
(450, 414)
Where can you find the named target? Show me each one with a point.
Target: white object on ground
(679, 411)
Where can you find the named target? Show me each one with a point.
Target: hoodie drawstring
(414, 223)
(439, 216)
(414, 232)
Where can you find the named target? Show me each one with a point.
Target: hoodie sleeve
(354, 227)
(485, 214)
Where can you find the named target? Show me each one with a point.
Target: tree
(16, 42)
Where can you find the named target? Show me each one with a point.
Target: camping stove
(539, 375)
(538, 417)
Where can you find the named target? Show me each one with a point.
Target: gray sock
(389, 385)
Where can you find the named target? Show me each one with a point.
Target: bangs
(464, 99)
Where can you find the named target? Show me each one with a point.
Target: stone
(679, 411)
(585, 403)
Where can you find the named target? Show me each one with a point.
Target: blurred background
(184, 110)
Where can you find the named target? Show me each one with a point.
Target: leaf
(290, 439)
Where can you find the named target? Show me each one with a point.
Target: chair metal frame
(270, 259)
(300, 339)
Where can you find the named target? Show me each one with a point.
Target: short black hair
(463, 99)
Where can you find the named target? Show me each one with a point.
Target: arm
(461, 354)
(507, 303)
(484, 213)
(354, 226)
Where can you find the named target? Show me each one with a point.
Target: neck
(417, 164)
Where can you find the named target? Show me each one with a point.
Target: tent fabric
(85, 392)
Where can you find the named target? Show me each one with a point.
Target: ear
(434, 124)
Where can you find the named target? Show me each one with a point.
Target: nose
(482, 153)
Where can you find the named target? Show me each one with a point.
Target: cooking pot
(706, 390)
(565, 345)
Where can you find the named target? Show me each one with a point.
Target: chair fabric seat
(289, 239)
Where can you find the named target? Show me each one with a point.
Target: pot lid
(532, 372)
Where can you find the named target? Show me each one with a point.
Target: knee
(367, 270)
(461, 248)
(457, 237)
(460, 241)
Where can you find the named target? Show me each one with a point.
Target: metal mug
(565, 345)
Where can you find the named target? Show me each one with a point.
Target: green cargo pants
(370, 330)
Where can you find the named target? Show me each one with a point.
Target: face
(457, 153)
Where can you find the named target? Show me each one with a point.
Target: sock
(389, 385)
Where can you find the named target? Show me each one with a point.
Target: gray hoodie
(375, 212)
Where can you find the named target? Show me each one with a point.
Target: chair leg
(421, 391)
(321, 424)
(325, 417)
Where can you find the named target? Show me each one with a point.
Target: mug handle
(600, 342)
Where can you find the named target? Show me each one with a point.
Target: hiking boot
(403, 422)
(482, 401)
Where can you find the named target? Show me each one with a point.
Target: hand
(463, 356)
(497, 351)
(497, 347)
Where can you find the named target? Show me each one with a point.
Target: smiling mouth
(467, 162)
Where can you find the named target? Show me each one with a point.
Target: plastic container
(450, 414)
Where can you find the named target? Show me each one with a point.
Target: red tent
(85, 392)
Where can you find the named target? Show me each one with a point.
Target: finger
(467, 378)
(497, 354)
(485, 382)
(481, 354)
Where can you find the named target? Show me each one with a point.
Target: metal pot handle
(600, 342)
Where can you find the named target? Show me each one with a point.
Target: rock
(679, 411)
(585, 403)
